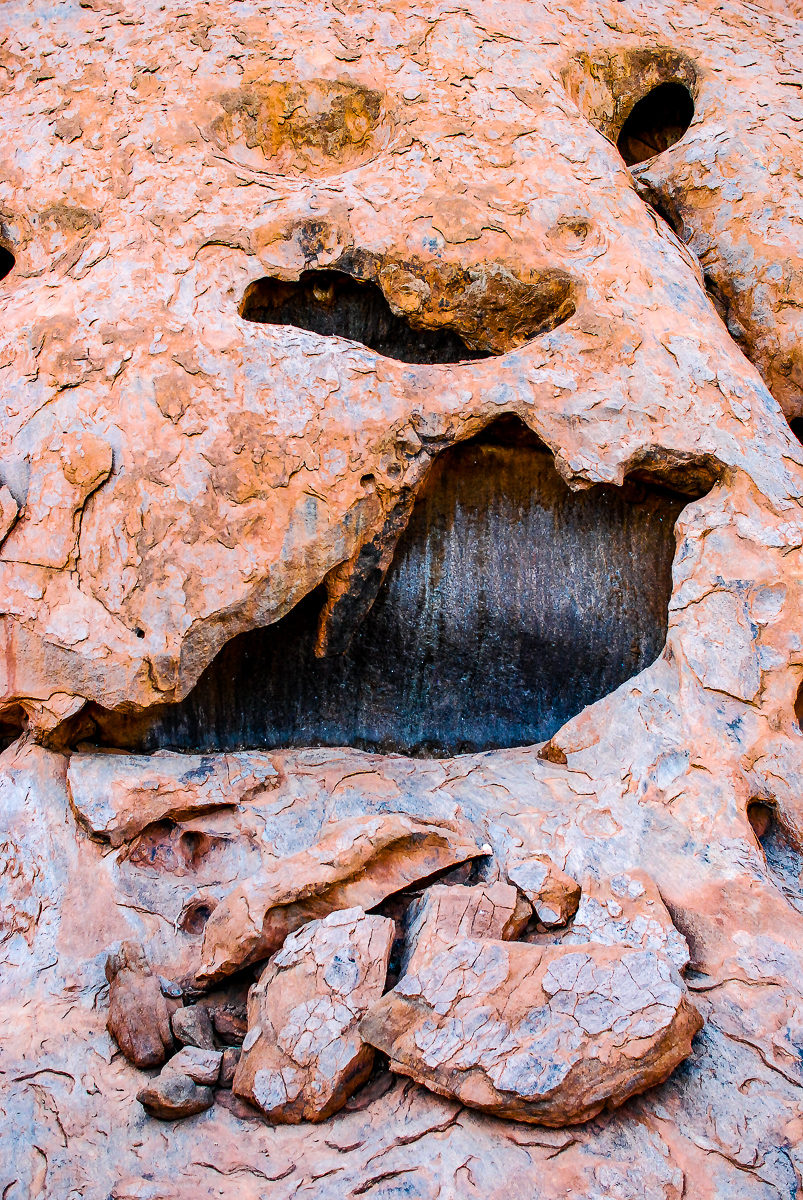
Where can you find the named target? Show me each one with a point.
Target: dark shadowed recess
(511, 603)
(656, 122)
(7, 261)
(780, 848)
(337, 305)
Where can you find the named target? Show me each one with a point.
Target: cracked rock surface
(540, 1035)
(303, 1055)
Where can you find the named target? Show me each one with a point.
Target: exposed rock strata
(116, 798)
(173, 473)
(538, 1035)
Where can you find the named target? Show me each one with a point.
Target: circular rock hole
(194, 917)
(7, 261)
(656, 122)
(761, 815)
(195, 846)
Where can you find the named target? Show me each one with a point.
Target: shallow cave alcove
(510, 604)
(656, 122)
(336, 304)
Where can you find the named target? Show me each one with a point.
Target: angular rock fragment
(540, 1034)
(115, 796)
(231, 1024)
(192, 1026)
(228, 1065)
(443, 914)
(172, 1094)
(553, 894)
(303, 1056)
(628, 911)
(356, 863)
(139, 1014)
(202, 1066)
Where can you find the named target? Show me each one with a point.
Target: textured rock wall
(177, 471)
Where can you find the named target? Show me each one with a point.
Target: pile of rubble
(529, 998)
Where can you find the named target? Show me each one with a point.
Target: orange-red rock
(545, 1035)
(552, 893)
(356, 863)
(139, 1016)
(303, 1056)
(442, 915)
(173, 473)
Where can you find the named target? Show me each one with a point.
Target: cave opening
(780, 848)
(510, 604)
(7, 262)
(796, 425)
(656, 122)
(335, 304)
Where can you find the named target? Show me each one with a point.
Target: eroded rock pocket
(511, 603)
(656, 122)
(337, 305)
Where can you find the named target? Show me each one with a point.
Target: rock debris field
(401, 604)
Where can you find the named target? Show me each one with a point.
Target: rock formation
(538, 1035)
(303, 1055)
(401, 510)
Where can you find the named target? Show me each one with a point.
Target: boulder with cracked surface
(139, 1014)
(544, 1035)
(443, 914)
(303, 1055)
(553, 894)
(356, 862)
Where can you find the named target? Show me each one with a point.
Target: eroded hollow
(656, 122)
(338, 305)
(781, 850)
(7, 262)
(511, 603)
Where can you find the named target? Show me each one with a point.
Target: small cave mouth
(7, 262)
(796, 425)
(510, 604)
(781, 850)
(656, 122)
(335, 304)
(13, 723)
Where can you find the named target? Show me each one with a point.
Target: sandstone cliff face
(359, 395)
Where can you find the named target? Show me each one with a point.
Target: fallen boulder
(358, 862)
(202, 1066)
(173, 1094)
(139, 1013)
(192, 1026)
(444, 914)
(303, 1056)
(539, 1034)
(553, 894)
